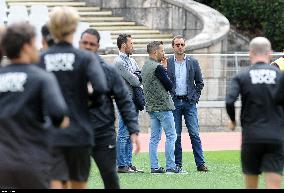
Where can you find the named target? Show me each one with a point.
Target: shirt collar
(123, 54)
(184, 58)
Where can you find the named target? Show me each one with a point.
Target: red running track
(211, 141)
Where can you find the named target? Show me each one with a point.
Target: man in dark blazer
(184, 71)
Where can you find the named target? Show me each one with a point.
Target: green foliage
(258, 17)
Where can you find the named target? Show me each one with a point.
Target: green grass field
(224, 166)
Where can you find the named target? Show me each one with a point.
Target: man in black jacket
(103, 117)
(27, 94)
(262, 120)
(73, 69)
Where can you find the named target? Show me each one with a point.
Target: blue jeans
(189, 111)
(159, 120)
(124, 145)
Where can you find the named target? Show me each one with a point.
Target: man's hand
(136, 140)
(232, 125)
(90, 88)
(164, 62)
(65, 123)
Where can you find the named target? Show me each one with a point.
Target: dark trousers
(105, 158)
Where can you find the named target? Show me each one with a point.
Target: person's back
(21, 115)
(261, 118)
(71, 68)
(27, 95)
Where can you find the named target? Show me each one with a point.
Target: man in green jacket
(159, 105)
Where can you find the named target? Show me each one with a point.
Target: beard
(179, 52)
(129, 52)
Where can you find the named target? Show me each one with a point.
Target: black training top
(103, 117)
(262, 119)
(73, 69)
(24, 91)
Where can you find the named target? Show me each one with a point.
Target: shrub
(254, 17)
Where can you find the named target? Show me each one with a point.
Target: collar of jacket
(64, 43)
(184, 57)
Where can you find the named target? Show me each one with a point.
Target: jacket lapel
(188, 68)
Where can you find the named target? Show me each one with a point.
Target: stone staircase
(104, 21)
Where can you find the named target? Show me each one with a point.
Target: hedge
(254, 17)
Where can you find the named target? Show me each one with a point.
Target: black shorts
(262, 157)
(71, 163)
(23, 176)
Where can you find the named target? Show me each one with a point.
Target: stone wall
(156, 14)
(205, 29)
(237, 42)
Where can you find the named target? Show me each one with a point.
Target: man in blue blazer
(184, 71)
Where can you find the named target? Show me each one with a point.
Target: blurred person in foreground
(262, 120)
(27, 94)
(73, 69)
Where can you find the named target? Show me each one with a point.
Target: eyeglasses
(90, 43)
(178, 45)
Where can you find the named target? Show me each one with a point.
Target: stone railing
(205, 29)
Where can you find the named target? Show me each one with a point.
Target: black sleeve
(231, 111)
(162, 75)
(124, 103)
(279, 95)
(231, 97)
(199, 84)
(138, 74)
(96, 75)
(54, 102)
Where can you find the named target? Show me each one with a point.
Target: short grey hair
(260, 46)
(152, 46)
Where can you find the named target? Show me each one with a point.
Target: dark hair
(15, 37)
(122, 39)
(177, 37)
(152, 46)
(93, 32)
(47, 36)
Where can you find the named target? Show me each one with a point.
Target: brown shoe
(202, 168)
(125, 170)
